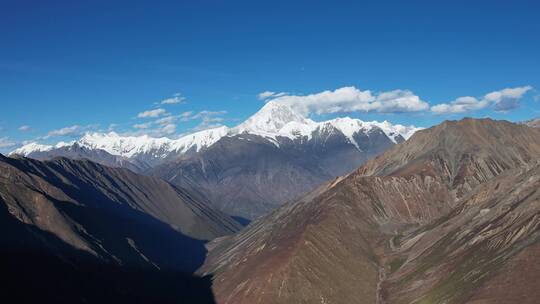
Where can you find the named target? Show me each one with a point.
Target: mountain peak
(271, 118)
(463, 152)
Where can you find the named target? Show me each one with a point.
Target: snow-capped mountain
(239, 168)
(35, 147)
(131, 146)
(275, 120)
(271, 122)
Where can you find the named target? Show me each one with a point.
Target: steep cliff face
(395, 230)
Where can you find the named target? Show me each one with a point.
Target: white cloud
(460, 105)
(269, 94)
(175, 99)
(208, 124)
(501, 101)
(168, 129)
(205, 113)
(24, 128)
(166, 120)
(71, 131)
(152, 113)
(351, 99)
(142, 126)
(507, 99)
(67, 131)
(112, 127)
(5, 142)
(209, 120)
(186, 116)
(167, 125)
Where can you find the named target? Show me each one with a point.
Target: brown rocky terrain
(476, 248)
(441, 218)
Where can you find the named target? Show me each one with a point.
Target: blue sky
(68, 67)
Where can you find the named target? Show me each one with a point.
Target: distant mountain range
(450, 216)
(239, 168)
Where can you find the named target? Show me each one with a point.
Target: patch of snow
(127, 146)
(31, 147)
(199, 140)
(393, 131)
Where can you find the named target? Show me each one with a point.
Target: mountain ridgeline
(240, 168)
(450, 216)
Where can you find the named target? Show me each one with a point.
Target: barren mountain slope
(463, 153)
(338, 244)
(479, 247)
(245, 176)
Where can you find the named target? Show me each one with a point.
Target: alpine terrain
(240, 168)
(450, 216)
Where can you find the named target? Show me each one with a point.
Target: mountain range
(452, 215)
(239, 168)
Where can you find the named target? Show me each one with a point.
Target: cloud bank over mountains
(501, 101)
(351, 99)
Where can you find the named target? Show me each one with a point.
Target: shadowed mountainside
(112, 213)
(37, 266)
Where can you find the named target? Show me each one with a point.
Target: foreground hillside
(76, 224)
(450, 216)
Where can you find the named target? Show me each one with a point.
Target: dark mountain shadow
(36, 266)
(128, 233)
(241, 220)
(114, 223)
